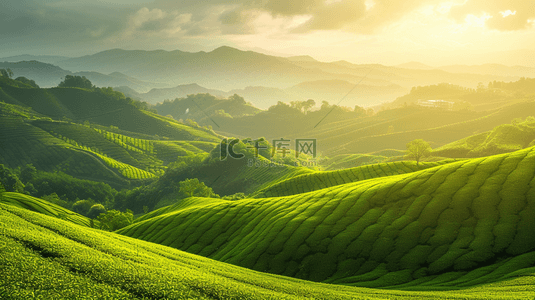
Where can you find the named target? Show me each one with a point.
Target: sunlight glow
(508, 13)
(369, 4)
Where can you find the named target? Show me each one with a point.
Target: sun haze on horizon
(434, 32)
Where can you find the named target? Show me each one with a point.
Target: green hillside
(23, 143)
(343, 161)
(320, 180)
(458, 224)
(502, 139)
(100, 106)
(42, 206)
(46, 258)
(225, 177)
(116, 143)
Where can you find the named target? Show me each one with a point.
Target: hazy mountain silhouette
(49, 75)
(227, 68)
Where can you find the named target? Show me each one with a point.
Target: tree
(307, 105)
(113, 219)
(237, 99)
(76, 81)
(6, 73)
(417, 150)
(28, 173)
(83, 206)
(193, 187)
(359, 111)
(10, 180)
(27, 81)
(96, 210)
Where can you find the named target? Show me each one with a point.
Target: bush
(113, 220)
(83, 206)
(76, 81)
(96, 210)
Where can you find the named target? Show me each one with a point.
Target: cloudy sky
(435, 32)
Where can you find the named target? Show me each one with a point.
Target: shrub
(96, 210)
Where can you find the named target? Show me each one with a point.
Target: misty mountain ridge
(227, 68)
(49, 75)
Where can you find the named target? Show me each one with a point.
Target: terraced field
(370, 134)
(43, 207)
(320, 180)
(21, 144)
(502, 139)
(455, 225)
(42, 257)
(85, 152)
(344, 161)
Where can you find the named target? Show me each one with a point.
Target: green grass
(451, 219)
(45, 258)
(42, 206)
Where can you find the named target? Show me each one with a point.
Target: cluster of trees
(304, 107)
(195, 188)
(76, 81)
(38, 184)
(6, 73)
(57, 187)
(526, 85)
(112, 220)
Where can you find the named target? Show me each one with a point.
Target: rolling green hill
(502, 139)
(344, 161)
(100, 106)
(127, 149)
(459, 224)
(43, 207)
(320, 180)
(437, 127)
(46, 258)
(225, 177)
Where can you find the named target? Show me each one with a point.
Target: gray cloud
(59, 24)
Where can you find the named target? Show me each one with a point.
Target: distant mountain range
(332, 91)
(259, 78)
(49, 75)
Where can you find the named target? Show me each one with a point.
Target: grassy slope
(502, 139)
(90, 153)
(97, 107)
(344, 161)
(457, 223)
(370, 134)
(320, 180)
(45, 258)
(22, 143)
(42, 206)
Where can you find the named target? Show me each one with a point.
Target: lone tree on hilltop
(417, 150)
(76, 81)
